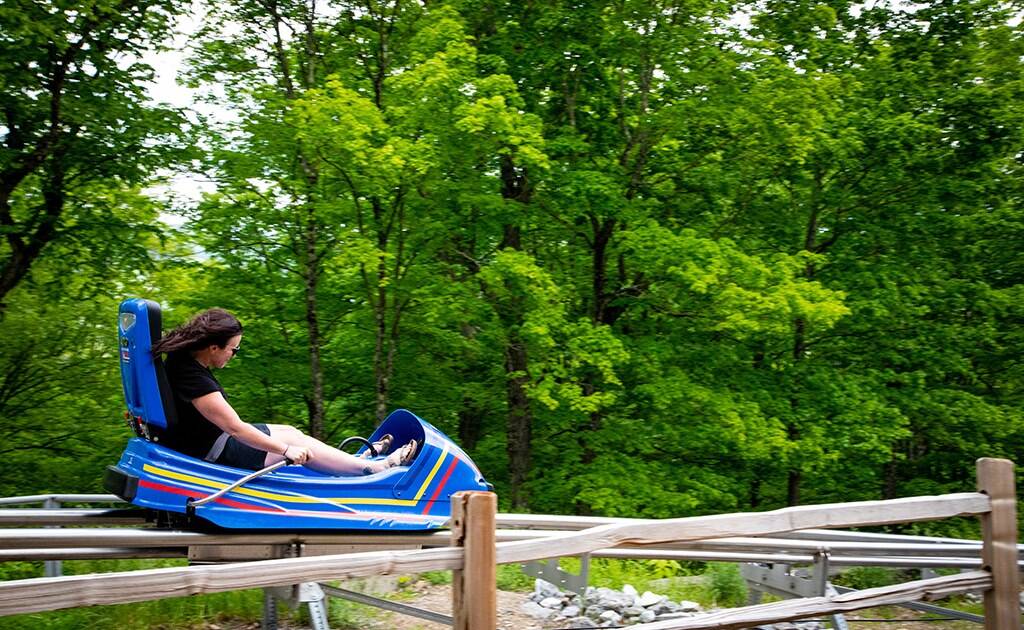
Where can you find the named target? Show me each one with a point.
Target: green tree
(76, 124)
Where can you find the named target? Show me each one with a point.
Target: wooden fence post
(999, 551)
(474, 588)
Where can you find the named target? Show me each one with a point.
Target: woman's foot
(403, 456)
(382, 446)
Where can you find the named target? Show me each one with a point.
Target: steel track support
(52, 568)
(385, 604)
(308, 593)
(550, 571)
(780, 580)
(269, 610)
(312, 595)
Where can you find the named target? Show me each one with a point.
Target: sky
(182, 189)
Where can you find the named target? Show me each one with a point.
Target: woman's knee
(288, 434)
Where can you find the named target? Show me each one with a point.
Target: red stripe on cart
(192, 493)
(440, 485)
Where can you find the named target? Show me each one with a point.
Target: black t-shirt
(194, 435)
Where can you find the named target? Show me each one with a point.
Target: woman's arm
(216, 409)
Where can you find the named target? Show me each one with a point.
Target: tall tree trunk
(891, 479)
(520, 413)
(379, 293)
(316, 376)
(470, 425)
(603, 230)
(520, 418)
(795, 474)
(310, 236)
(755, 491)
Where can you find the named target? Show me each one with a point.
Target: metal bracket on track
(52, 568)
(782, 581)
(549, 571)
(385, 604)
(308, 593)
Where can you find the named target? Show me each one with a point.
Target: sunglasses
(235, 350)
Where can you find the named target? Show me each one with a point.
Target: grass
(163, 614)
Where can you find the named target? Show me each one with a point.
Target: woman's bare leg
(324, 458)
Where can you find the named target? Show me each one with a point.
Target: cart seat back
(146, 391)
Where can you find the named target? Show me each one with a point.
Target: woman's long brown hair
(213, 327)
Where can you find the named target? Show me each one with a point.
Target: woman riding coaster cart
(209, 428)
(192, 458)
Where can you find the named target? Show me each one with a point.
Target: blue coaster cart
(150, 475)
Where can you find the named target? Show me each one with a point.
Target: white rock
(650, 599)
(629, 590)
(545, 588)
(570, 611)
(537, 611)
(580, 622)
(686, 606)
(551, 602)
(610, 615)
(593, 611)
(646, 616)
(614, 600)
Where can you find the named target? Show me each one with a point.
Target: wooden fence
(474, 555)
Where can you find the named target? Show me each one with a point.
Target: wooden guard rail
(474, 556)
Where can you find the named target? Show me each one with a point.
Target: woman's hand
(297, 454)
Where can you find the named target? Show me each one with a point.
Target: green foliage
(725, 586)
(868, 577)
(510, 577)
(437, 577)
(348, 615)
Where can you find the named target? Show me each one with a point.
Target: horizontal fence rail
(61, 498)
(787, 535)
(791, 609)
(858, 514)
(39, 594)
